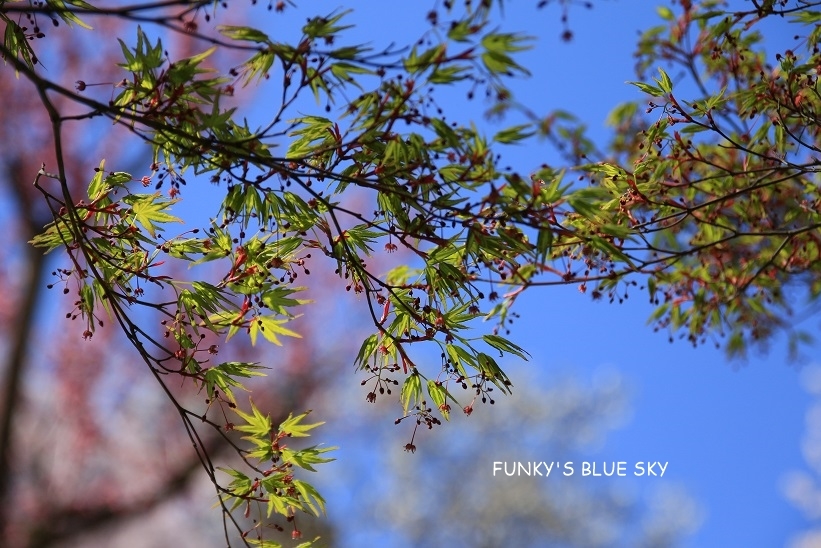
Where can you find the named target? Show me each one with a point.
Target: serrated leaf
(293, 425)
(367, 350)
(514, 134)
(270, 328)
(439, 395)
(98, 186)
(503, 345)
(277, 299)
(67, 15)
(149, 211)
(256, 423)
(246, 34)
(665, 84)
(647, 88)
(222, 377)
(411, 391)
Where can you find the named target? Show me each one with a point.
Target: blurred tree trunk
(20, 334)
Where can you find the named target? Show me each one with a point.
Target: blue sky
(730, 431)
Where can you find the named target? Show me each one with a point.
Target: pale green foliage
(714, 201)
(720, 187)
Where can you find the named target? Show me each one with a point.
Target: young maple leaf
(149, 210)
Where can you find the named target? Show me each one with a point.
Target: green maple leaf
(149, 210)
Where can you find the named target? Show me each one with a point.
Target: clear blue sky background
(730, 431)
